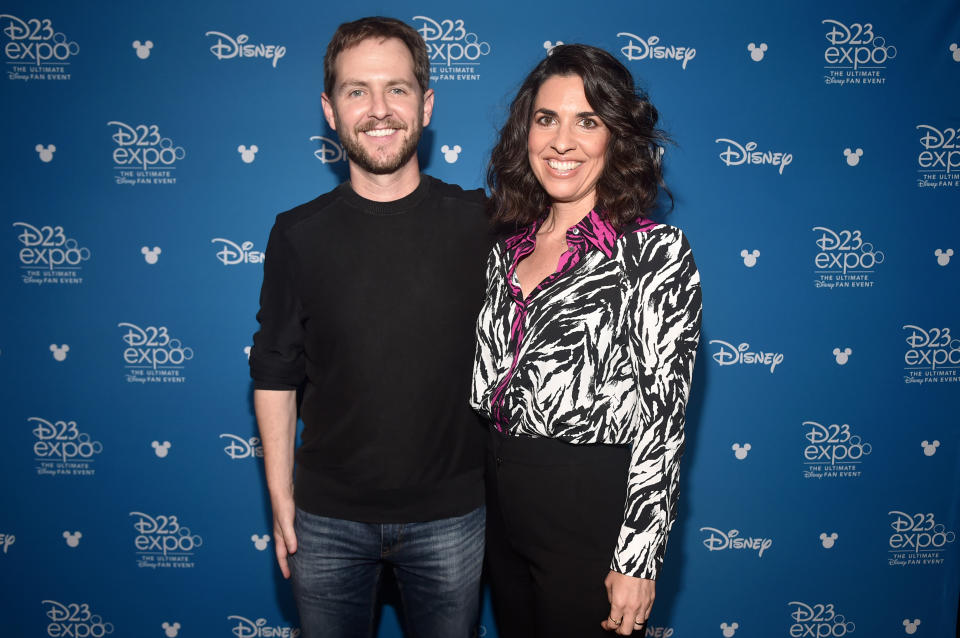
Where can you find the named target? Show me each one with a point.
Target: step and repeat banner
(147, 147)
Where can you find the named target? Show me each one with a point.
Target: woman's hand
(630, 601)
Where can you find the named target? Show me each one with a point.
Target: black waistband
(546, 451)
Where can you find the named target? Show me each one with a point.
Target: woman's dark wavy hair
(632, 176)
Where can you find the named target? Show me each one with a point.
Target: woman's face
(567, 142)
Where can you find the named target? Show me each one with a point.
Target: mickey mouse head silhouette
(451, 154)
(956, 51)
(756, 52)
(910, 627)
(260, 542)
(828, 539)
(549, 46)
(248, 154)
(59, 352)
(46, 152)
(740, 451)
(143, 50)
(842, 355)
(171, 630)
(853, 157)
(943, 256)
(749, 257)
(73, 540)
(161, 449)
(929, 449)
(150, 255)
(729, 630)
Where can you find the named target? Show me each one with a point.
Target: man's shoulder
(306, 211)
(453, 191)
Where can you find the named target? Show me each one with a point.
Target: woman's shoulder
(645, 239)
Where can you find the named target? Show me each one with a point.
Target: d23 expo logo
(61, 449)
(152, 356)
(818, 621)
(74, 619)
(34, 50)
(142, 155)
(844, 259)
(938, 164)
(48, 256)
(454, 52)
(918, 539)
(832, 451)
(932, 356)
(855, 54)
(161, 541)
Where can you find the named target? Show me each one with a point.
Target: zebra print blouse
(602, 351)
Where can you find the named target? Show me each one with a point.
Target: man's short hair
(350, 34)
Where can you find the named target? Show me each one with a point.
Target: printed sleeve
(484, 360)
(277, 358)
(665, 331)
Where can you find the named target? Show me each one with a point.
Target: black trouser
(554, 512)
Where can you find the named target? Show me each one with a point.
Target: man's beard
(383, 166)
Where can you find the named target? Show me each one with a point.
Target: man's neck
(389, 187)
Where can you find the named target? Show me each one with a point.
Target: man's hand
(630, 601)
(285, 541)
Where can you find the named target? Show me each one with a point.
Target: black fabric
(553, 513)
(372, 306)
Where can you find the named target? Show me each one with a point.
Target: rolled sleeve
(277, 360)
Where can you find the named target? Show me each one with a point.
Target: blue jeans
(437, 564)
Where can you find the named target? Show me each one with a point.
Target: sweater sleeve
(277, 357)
(664, 333)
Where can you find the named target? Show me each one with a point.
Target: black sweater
(371, 307)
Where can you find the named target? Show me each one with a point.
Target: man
(369, 302)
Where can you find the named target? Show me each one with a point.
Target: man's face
(376, 106)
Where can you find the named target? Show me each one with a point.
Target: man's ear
(328, 110)
(427, 106)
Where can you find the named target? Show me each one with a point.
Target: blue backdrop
(146, 149)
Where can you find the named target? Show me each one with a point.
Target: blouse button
(575, 231)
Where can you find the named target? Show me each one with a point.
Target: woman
(585, 353)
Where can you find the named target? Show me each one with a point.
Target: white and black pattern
(601, 352)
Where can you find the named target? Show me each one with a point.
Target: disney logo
(728, 355)
(737, 154)
(232, 254)
(227, 47)
(638, 48)
(717, 541)
(329, 151)
(239, 448)
(246, 628)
